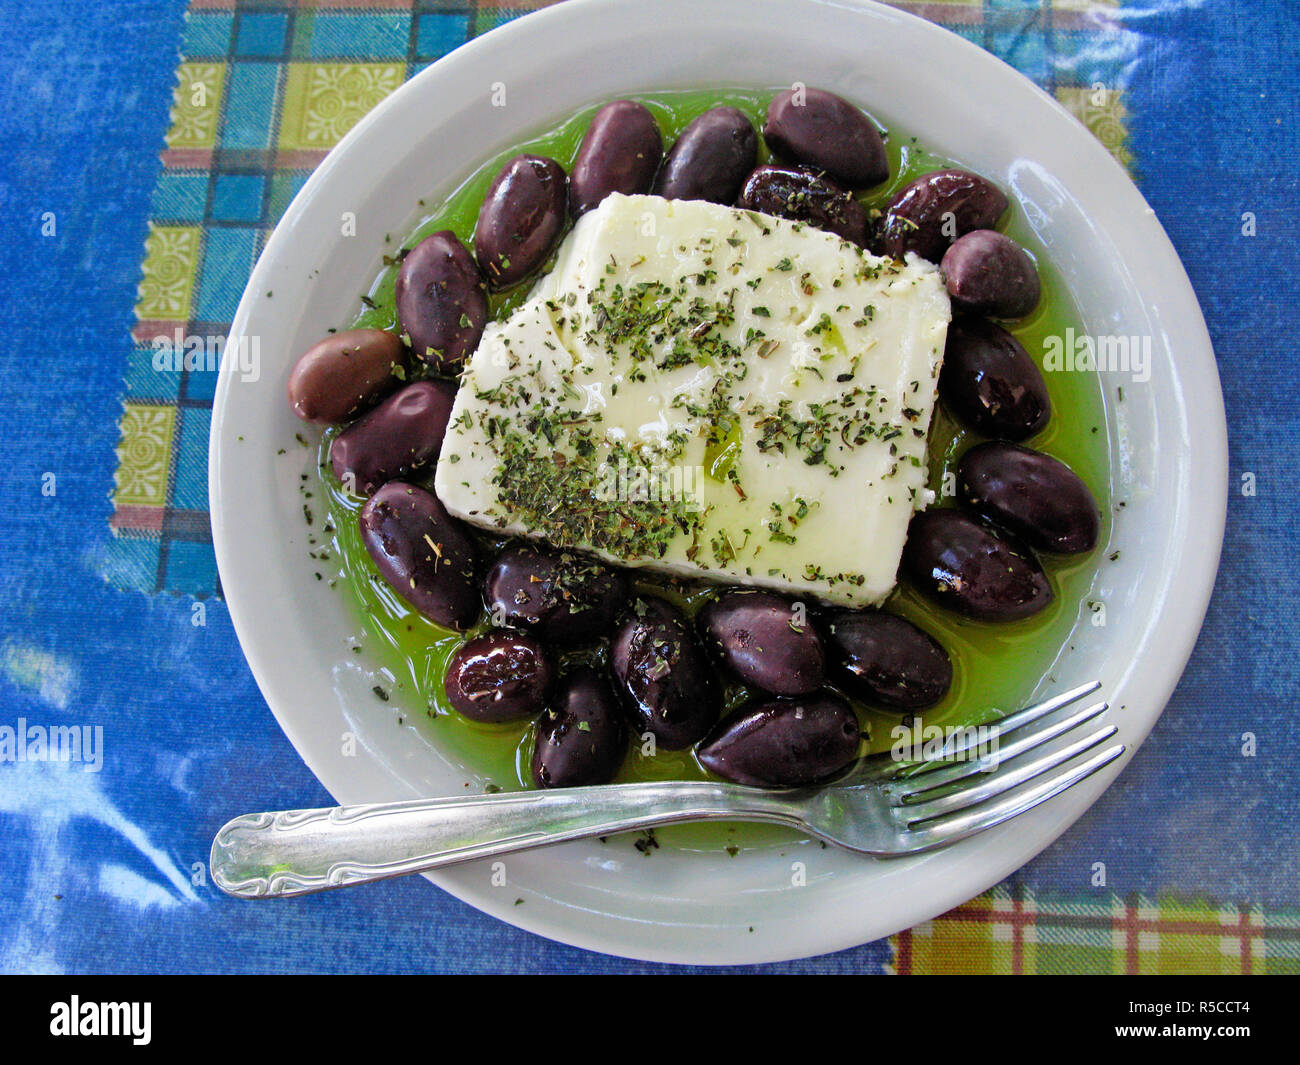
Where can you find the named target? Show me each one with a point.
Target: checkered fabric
(1012, 931)
(263, 91)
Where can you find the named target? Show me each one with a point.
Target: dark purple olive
(821, 130)
(441, 300)
(886, 661)
(620, 153)
(989, 273)
(711, 158)
(935, 209)
(956, 562)
(1033, 496)
(581, 738)
(563, 597)
(345, 374)
(423, 552)
(766, 639)
(521, 219)
(803, 196)
(499, 676)
(662, 675)
(401, 435)
(783, 744)
(990, 382)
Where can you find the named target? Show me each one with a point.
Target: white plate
(1168, 437)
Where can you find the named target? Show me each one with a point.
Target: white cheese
(710, 392)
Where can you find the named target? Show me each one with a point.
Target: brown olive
(823, 131)
(766, 639)
(499, 676)
(582, 737)
(1033, 496)
(521, 219)
(345, 374)
(937, 208)
(803, 196)
(441, 300)
(400, 436)
(987, 272)
(784, 743)
(662, 675)
(620, 153)
(956, 562)
(886, 661)
(990, 382)
(423, 553)
(710, 159)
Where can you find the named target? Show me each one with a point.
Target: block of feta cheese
(710, 392)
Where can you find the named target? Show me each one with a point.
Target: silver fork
(882, 807)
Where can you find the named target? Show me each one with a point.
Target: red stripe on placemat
(384, 5)
(187, 158)
(903, 955)
(1245, 932)
(299, 159)
(944, 14)
(137, 519)
(144, 332)
(1018, 933)
(1129, 924)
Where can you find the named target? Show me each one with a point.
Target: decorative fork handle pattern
(296, 852)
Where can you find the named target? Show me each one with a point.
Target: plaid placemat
(263, 90)
(1012, 931)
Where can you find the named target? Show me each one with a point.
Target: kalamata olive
(620, 153)
(582, 737)
(563, 597)
(989, 273)
(441, 300)
(345, 374)
(766, 639)
(1034, 496)
(422, 552)
(887, 661)
(937, 208)
(711, 158)
(820, 129)
(784, 743)
(521, 219)
(990, 382)
(803, 196)
(662, 675)
(956, 562)
(499, 676)
(403, 434)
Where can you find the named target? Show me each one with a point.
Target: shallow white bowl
(1168, 438)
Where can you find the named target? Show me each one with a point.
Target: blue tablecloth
(103, 871)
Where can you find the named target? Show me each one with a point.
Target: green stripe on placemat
(263, 91)
(1017, 932)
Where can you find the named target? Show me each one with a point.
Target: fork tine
(884, 765)
(1001, 781)
(958, 826)
(937, 778)
(1018, 720)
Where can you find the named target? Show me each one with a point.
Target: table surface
(102, 871)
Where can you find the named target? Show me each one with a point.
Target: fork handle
(297, 852)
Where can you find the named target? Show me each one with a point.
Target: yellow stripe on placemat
(1102, 110)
